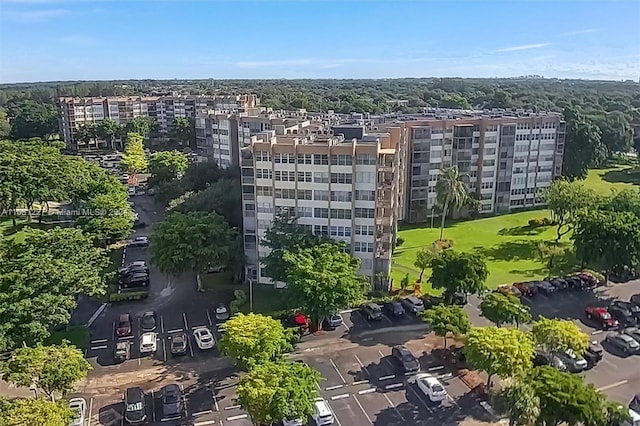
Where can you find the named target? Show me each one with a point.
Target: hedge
(122, 297)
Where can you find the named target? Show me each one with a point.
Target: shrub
(133, 295)
(399, 241)
(547, 221)
(535, 223)
(443, 244)
(240, 296)
(597, 275)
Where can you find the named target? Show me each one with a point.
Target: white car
(204, 338)
(148, 343)
(79, 408)
(294, 422)
(431, 387)
(322, 414)
(131, 190)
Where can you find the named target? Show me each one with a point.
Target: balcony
(248, 197)
(247, 162)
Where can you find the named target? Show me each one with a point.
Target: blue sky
(43, 40)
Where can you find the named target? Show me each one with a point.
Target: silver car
(413, 304)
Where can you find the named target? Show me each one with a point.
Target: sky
(49, 40)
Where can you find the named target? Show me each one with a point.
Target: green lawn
(78, 335)
(266, 298)
(613, 178)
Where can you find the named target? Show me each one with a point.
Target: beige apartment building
(74, 112)
(350, 190)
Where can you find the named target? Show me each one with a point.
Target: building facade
(347, 189)
(75, 112)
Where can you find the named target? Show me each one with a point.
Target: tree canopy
(458, 272)
(166, 166)
(447, 320)
(31, 119)
(254, 339)
(583, 146)
(506, 352)
(504, 309)
(221, 197)
(323, 279)
(134, 159)
(566, 200)
(451, 191)
(554, 335)
(34, 412)
(276, 391)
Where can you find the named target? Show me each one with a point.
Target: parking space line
(215, 401)
(344, 322)
(96, 348)
(238, 417)
(341, 396)
(153, 407)
(359, 382)
(90, 409)
(209, 318)
(186, 327)
(394, 386)
(613, 385)
(161, 324)
(391, 404)
(330, 388)
(175, 330)
(207, 422)
(387, 318)
(338, 371)
(232, 407)
(139, 350)
(415, 394)
(99, 340)
(366, 391)
(362, 317)
(359, 362)
(436, 368)
(164, 350)
(389, 377)
(362, 408)
(200, 413)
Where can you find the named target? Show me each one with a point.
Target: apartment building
(508, 157)
(75, 112)
(351, 190)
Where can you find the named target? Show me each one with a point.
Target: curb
(96, 314)
(400, 329)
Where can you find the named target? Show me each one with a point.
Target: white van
(322, 413)
(634, 419)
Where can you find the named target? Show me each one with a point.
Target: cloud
(77, 40)
(35, 15)
(523, 47)
(579, 32)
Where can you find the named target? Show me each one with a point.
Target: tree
(446, 320)
(547, 252)
(52, 369)
(404, 282)
(87, 132)
(583, 146)
(193, 241)
(565, 200)
(617, 134)
(565, 398)
(108, 217)
(108, 130)
(254, 339)
(222, 197)
(424, 256)
(140, 125)
(506, 352)
(519, 402)
(458, 272)
(199, 175)
(34, 412)
(451, 191)
(166, 166)
(30, 119)
(323, 279)
(277, 391)
(555, 335)
(40, 280)
(636, 144)
(183, 130)
(285, 234)
(608, 239)
(504, 309)
(134, 160)
(166, 191)
(5, 126)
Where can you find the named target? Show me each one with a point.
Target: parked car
(148, 342)
(634, 309)
(540, 358)
(322, 414)
(131, 190)
(135, 280)
(528, 289)
(148, 321)
(569, 361)
(333, 321)
(151, 191)
(294, 422)
(221, 312)
(172, 402)
(546, 288)
(372, 311)
(634, 332)
(394, 308)
(136, 266)
(601, 316)
(559, 283)
(509, 290)
(135, 406)
(431, 387)
(405, 359)
(204, 338)
(575, 283)
(413, 304)
(141, 241)
(123, 328)
(624, 316)
(634, 404)
(593, 354)
(122, 351)
(635, 299)
(79, 408)
(588, 280)
(623, 342)
(178, 343)
(300, 321)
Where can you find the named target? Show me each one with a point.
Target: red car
(123, 328)
(300, 321)
(601, 316)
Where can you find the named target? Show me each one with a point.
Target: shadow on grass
(510, 250)
(626, 175)
(523, 230)
(563, 264)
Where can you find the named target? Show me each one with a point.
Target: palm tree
(451, 190)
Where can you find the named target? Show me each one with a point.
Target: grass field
(78, 335)
(613, 178)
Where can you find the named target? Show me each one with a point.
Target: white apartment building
(347, 189)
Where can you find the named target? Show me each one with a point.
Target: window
(365, 177)
(320, 159)
(341, 178)
(489, 163)
(489, 151)
(287, 194)
(305, 194)
(360, 246)
(365, 229)
(263, 156)
(486, 185)
(366, 159)
(305, 212)
(319, 195)
(265, 208)
(263, 173)
(264, 190)
(340, 213)
(321, 213)
(365, 213)
(341, 196)
(365, 195)
(321, 230)
(321, 177)
(304, 177)
(277, 158)
(340, 231)
(341, 160)
(305, 158)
